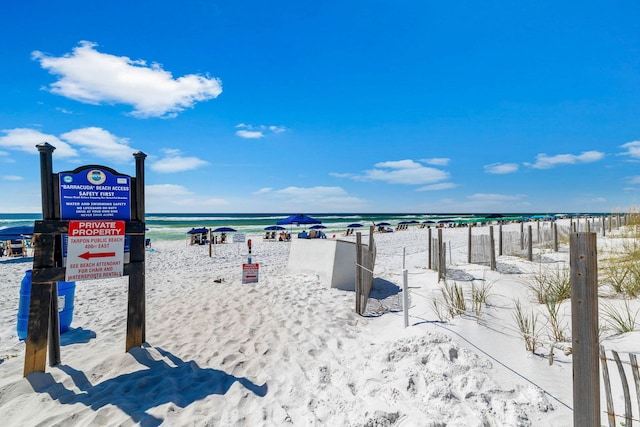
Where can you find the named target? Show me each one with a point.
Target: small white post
(404, 254)
(405, 297)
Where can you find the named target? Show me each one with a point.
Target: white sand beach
(288, 351)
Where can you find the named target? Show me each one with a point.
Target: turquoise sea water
(175, 226)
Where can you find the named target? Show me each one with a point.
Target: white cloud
(174, 162)
(634, 179)
(168, 197)
(12, 178)
(100, 143)
(437, 161)
(633, 149)
(501, 168)
(249, 134)
(265, 190)
(316, 198)
(437, 187)
(26, 140)
(341, 175)
(255, 132)
(166, 190)
(92, 77)
(599, 200)
(403, 172)
(544, 161)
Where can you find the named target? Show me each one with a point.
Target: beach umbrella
(198, 230)
(11, 233)
(274, 228)
(317, 227)
(383, 224)
(224, 230)
(428, 222)
(354, 225)
(298, 219)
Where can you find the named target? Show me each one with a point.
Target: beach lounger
(16, 248)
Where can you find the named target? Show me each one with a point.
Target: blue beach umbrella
(198, 230)
(12, 233)
(274, 228)
(354, 225)
(224, 230)
(317, 227)
(298, 219)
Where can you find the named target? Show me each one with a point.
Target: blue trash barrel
(66, 291)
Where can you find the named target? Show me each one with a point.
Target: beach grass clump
(527, 327)
(440, 310)
(454, 300)
(557, 327)
(550, 285)
(480, 297)
(622, 271)
(620, 320)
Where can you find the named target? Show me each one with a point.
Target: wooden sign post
(95, 203)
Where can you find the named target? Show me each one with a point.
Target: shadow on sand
(167, 380)
(16, 260)
(385, 297)
(77, 336)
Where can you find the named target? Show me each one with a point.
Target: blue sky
(336, 106)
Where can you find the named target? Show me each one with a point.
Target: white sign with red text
(95, 250)
(250, 273)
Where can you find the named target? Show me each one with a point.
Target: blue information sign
(95, 194)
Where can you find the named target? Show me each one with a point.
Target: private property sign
(95, 250)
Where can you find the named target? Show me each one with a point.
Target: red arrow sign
(89, 255)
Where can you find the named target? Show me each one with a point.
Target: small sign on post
(250, 273)
(250, 270)
(95, 250)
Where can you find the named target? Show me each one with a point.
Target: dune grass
(527, 326)
(620, 320)
(550, 285)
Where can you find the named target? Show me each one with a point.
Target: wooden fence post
(530, 246)
(500, 240)
(492, 245)
(429, 248)
(584, 329)
(469, 245)
(441, 252)
(358, 271)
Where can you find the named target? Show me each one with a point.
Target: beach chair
(147, 243)
(16, 248)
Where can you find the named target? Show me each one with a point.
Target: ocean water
(175, 226)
